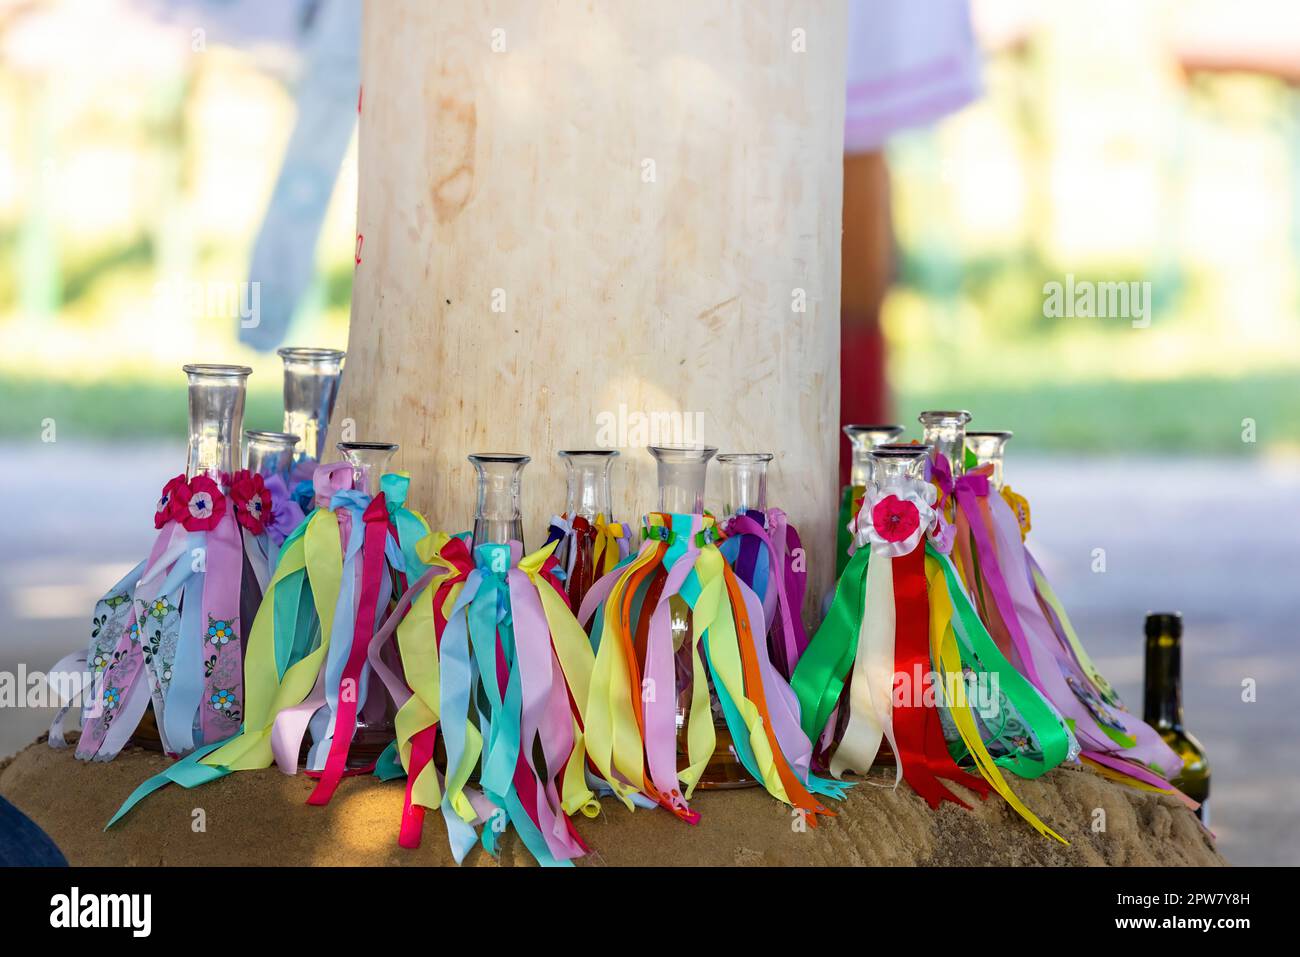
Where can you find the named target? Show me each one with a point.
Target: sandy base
(260, 818)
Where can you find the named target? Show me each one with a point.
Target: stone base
(261, 818)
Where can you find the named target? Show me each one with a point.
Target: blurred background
(1114, 141)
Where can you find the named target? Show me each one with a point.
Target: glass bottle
(311, 385)
(1162, 705)
(988, 449)
(216, 406)
(587, 477)
(378, 712)
(862, 439)
(269, 453)
(499, 513)
(897, 464)
(216, 401)
(745, 476)
(945, 430)
(369, 461)
(682, 472)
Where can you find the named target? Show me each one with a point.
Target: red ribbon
(584, 563)
(922, 750)
(423, 741)
(345, 719)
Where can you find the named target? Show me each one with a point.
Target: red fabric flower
(894, 519)
(165, 511)
(199, 504)
(252, 501)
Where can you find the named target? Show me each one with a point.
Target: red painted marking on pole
(360, 239)
(360, 92)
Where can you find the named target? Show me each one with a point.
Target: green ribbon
(819, 676)
(843, 538)
(981, 654)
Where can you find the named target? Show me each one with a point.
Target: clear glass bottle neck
(745, 477)
(499, 512)
(269, 453)
(587, 477)
(946, 433)
(862, 439)
(369, 461)
(897, 466)
(682, 473)
(216, 403)
(311, 385)
(989, 448)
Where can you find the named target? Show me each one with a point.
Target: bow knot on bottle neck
(975, 482)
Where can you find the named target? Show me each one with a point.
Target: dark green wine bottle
(1162, 706)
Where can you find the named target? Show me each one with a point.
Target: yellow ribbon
(266, 694)
(945, 653)
(724, 653)
(573, 650)
(418, 643)
(613, 734)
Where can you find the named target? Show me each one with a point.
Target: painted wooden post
(580, 224)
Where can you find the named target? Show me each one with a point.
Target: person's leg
(867, 263)
(23, 844)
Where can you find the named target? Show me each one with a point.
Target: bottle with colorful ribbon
(274, 513)
(311, 386)
(903, 646)
(683, 687)
(1029, 624)
(862, 439)
(317, 659)
(766, 553)
(496, 661)
(589, 543)
(171, 632)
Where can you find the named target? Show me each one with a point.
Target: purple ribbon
(788, 638)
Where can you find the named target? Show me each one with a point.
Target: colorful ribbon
(169, 634)
(666, 624)
(766, 553)
(1048, 655)
(311, 653)
(888, 628)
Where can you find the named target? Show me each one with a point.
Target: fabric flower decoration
(164, 512)
(304, 494)
(252, 501)
(159, 608)
(286, 513)
(220, 632)
(222, 700)
(99, 662)
(894, 519)
(112, 697)
(199, 504)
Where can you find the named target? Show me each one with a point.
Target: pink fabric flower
(165, 511)
(252, 501)
(199, 504)
(894, 519)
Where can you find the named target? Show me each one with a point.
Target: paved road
(1214, 539)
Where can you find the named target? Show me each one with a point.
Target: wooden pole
(582, 224)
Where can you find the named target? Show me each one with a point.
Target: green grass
(114, 409)
(1191, 415)
(1202, 416)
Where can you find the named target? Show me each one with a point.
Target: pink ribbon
(372, 557)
